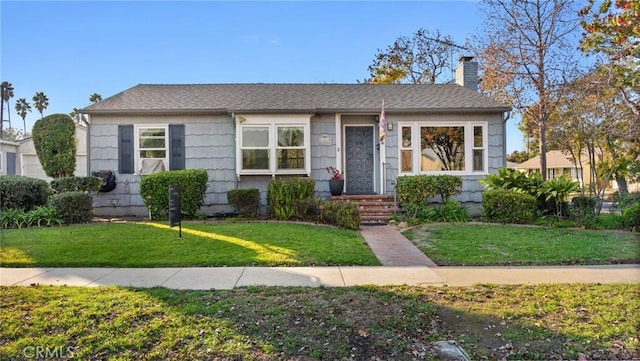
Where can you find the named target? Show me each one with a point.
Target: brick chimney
(467, 73)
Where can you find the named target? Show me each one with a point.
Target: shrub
(76, 184)
(511, 179)
(285, 196)
(154, 190)
(557, 190)
(631, 217)
(417, 189)
(583, 210)
(73, 207)
(451, 211)
(24, 193)
(507, 206)
(55, 143)
(339, 213)
(245, 201)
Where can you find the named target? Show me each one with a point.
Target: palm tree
(22, 108)
(6, 93)
(40, 102)
(95, 97)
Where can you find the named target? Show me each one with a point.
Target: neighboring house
(560, 164)
(244, 135)
(8, 157)
(20, 158)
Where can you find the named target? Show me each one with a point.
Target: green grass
(484, 245)
(271, 323)
(202, 244)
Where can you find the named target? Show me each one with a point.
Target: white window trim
(273, 122)
(2, 161)
(468, 146)
(136, 136)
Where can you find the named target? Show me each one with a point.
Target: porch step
(374, 208)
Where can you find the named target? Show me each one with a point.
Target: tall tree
(95, 97)
(40, 102)
(526, 52)
(419, 59)
(613, 31)
(22, 108)
(6, 93)
(55, 143)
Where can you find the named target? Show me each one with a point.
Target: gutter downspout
(506, 117)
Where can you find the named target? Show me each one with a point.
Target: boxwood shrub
(76, 184)
(507, 206)
(19, 192)
(73, 207)
(192, 183)
(245, 201)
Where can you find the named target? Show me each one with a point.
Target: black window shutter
(125, 149)
(176, 146)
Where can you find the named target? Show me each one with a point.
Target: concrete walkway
(402, 263)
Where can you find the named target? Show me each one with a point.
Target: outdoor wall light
(389, 126)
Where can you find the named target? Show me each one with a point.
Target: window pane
(153, 154)
(291, 158)
(255, 159)
(442, 148)
(407, 160)
(477, 137)
(290, 137)
(406, 137)
(255, 136)
(152, 132)
(478, 160)
(151, 143)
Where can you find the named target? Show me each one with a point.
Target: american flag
(383, 126)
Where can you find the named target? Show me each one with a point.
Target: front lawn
(202, 244)
(543, 322)
(493, 244)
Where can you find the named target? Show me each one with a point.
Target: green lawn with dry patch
(359, 323)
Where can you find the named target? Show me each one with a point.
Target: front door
(359, 160)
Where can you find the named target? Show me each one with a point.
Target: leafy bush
(557, 190)
(340, 213)
(245, 201)
(514, 180)
(508, 206)
(286, 195)
(154, 190)
(622, 201)
(583, 210)
(19, 192)
(417, 189)
(76, 184)
(73, 207)
(631, 217)
(451, 211)
(55, 143)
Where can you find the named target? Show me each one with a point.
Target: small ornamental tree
(55, 143)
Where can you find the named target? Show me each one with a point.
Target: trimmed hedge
(76, 184)
(55, 143)
(285, 196)
(631, 217)
(507, 206)
(73, 207)
(245, 201)
(340, 213)
(418, 189)
(154, 190)
(19, 192)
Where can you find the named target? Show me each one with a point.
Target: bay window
(456, 147)
(273, 144)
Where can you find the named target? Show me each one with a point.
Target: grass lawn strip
(202, 244)
(271, 323)
(488, 245)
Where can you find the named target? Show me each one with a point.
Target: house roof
(271, 98)
(555, 159)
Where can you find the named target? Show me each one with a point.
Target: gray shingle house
(244, 135)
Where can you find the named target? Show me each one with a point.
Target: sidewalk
(225, 278)
(402, 264)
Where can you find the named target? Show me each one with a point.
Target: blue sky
(71, 49)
